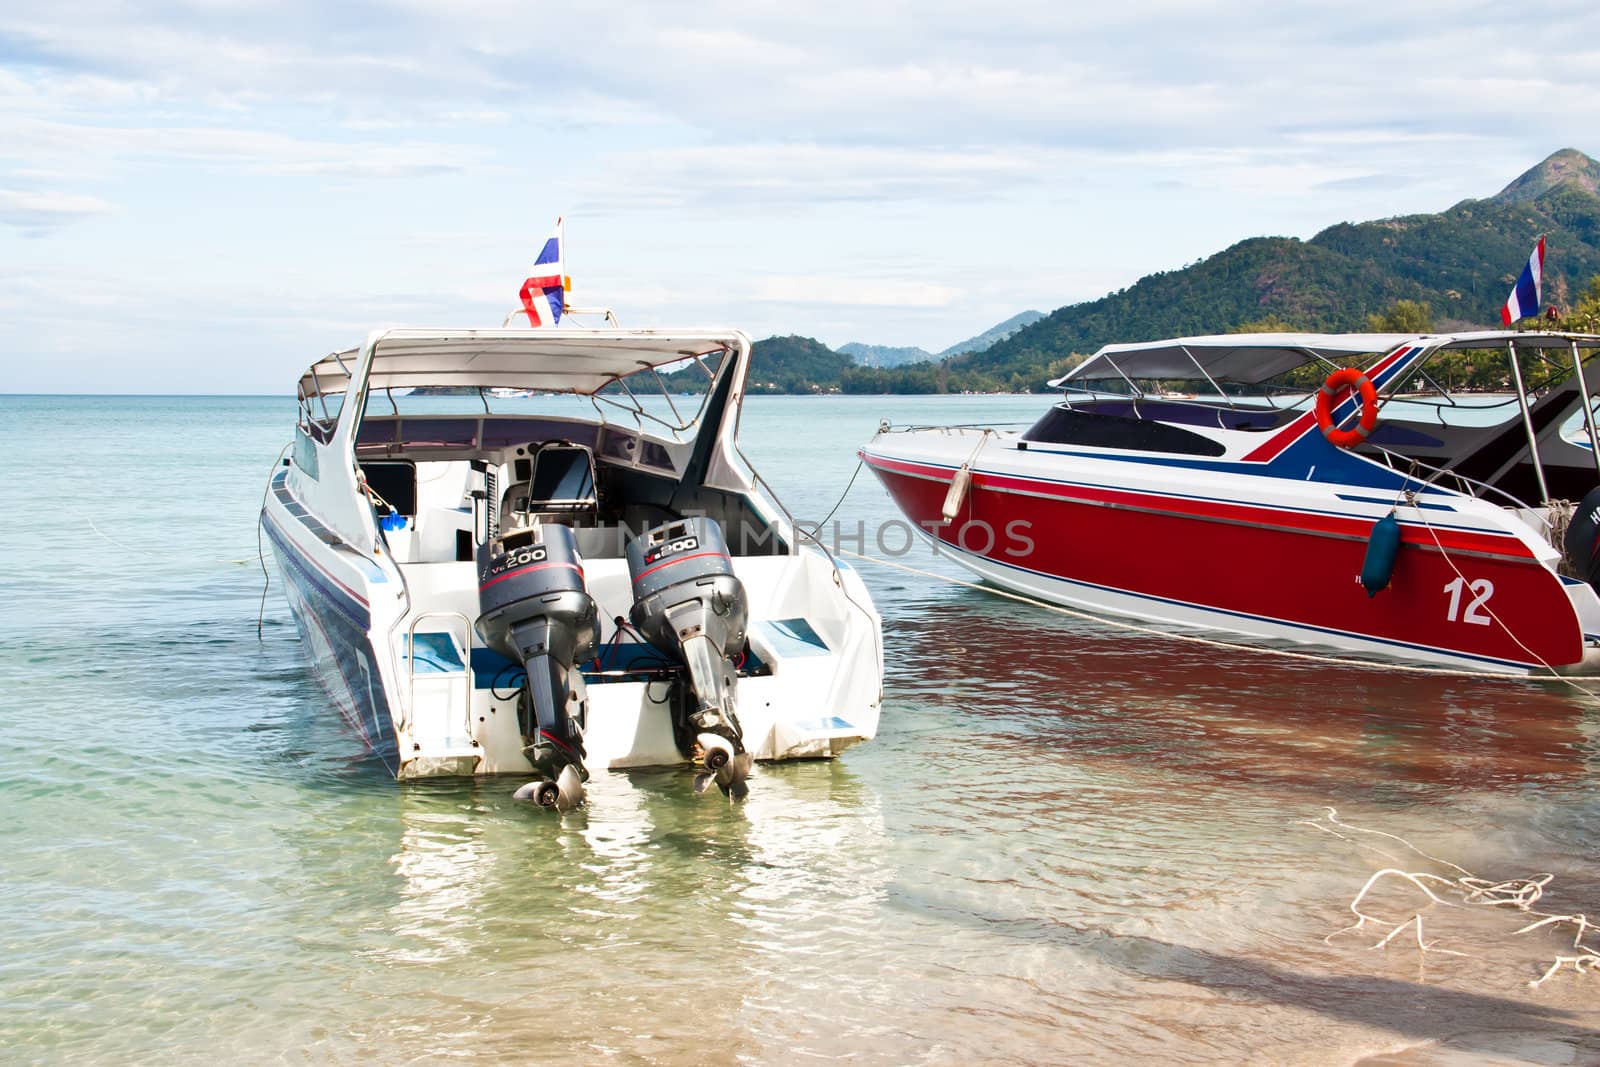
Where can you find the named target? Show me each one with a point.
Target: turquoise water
(1068, 844)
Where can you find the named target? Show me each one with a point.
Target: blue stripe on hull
(334, 629)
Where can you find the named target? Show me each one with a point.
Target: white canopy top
(1255, 357)
(548, 360)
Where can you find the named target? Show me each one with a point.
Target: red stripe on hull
(1265, 570)
(1282, 439)
(312, 561)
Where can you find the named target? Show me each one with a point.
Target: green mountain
(795, 365)
(884, 355)
(1461, 263)
(1566, 167)
(993, 335)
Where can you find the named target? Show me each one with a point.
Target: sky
(205, 197)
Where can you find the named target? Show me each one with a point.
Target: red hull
(1273, 566)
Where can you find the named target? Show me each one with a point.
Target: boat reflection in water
(1086, 841)
(1145, 880)
(1084, 691)
(584, 928)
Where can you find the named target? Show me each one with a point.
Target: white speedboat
(609, 585)
(1209, 482)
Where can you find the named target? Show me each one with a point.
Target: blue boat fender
(1383, 544)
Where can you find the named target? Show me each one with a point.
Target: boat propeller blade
(724, 765)
(570, 787)
(737, 770)
(544, 793)
(563, 794)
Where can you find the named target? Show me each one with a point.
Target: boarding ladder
(438, 713)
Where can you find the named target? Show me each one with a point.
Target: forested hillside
(1460, 263)
(1450, 270)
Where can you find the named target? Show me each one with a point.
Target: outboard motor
(1581, 545)
(688, 604)
(536, 611)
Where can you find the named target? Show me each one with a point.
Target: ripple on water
(1069, 843)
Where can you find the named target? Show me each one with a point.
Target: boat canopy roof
(1250, 358)
(582, 361)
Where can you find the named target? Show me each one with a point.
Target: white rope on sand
(1463, 889)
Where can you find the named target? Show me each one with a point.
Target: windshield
(668, 402)
(1478, 377)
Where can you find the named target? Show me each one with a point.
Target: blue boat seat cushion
(436, 653)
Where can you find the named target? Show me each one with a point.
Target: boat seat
(436, 653)
(1192, 414)
(560, 488)
(791, 637)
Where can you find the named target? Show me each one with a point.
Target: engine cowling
(690, 605)
(535, 610)
(1581, 544)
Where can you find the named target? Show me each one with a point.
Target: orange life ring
(1338, 381)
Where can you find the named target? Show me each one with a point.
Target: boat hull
(1199, 558)
(378, 520)
(334, 623)
(815, 654)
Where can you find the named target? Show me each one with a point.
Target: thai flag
(542, 293)
(1524, 299)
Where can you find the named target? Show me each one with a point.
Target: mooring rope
(261, 551)
(848, 486)
(1426, 525)
(157, 553)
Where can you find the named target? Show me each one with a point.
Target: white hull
(389, 616)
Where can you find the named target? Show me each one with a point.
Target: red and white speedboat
(1196, 482)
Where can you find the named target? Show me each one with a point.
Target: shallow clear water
(1069, 843)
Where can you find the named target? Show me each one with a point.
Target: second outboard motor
(1581, 545)
(688, 603)
(536, 611)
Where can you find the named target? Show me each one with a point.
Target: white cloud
(90, 146)
(770, 174)
(38, 213)
(901, 173)
(846, 291)
(944, 74)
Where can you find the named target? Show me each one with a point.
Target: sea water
(1070, 843)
